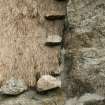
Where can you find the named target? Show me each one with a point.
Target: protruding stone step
(13, 87)
(47, 82)
(52, 15)
(53, 40)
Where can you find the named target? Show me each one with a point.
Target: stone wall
(85, 48)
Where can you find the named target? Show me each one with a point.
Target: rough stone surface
(71, 101)
(85, 48)
(13, 87)
(55, 97)
(47, 82)
(90, 97)
(86, 99)
(95, 103)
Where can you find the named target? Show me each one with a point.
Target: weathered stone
(91, 62)
(52, 15)
(47, 82)
(87, 19)
(13, 87)
(85, 46)
(53, 40)
(30, 97)
(91, 99)
(86, 99)
(72, 101)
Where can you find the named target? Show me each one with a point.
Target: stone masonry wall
(85, 48)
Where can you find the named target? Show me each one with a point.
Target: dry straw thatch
(22, 50)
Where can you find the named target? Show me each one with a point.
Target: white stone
(53, 39)
(13, 87)
(47, 82)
